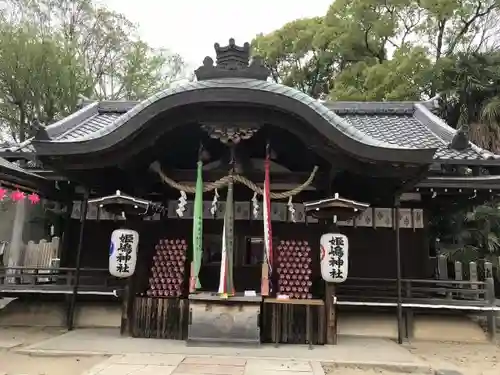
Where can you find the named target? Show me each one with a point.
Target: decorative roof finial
(460, 140)
(232, 61)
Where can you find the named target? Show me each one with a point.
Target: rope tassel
(182, 204)
(291, 209)
(215, 203)
(255, 206)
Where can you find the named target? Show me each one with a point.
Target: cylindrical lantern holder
(168, 268)
(294, 269)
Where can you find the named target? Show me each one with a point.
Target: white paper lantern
(123, 252)
(334, 249)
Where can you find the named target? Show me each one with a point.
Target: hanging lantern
(34, 198)
(334, 249)
(3, 193)
(17, 196)
(123, 252)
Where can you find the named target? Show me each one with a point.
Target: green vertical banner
(198, 226)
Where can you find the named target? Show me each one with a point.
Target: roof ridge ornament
(40, 133)
(460, 140)
(232, 61)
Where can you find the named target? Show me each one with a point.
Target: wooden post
(127, 307)
(473, 276)
(129, 294)
(65, 238)
(491, 315)
(331, 314)
(443, 267)
(398, 274)
(488, 270)
(72, 302)
(459, 274)
(15, 250)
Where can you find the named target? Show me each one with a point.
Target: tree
(469, 235)
(299, 55)
(39, 78)
(349, 50)
(404, 77)
(81, 50)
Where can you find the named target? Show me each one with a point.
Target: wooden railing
(51, 280)
(449, 294)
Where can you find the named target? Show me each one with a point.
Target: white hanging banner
(123, 252)
(334, 251)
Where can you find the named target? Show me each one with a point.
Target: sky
(191, 27)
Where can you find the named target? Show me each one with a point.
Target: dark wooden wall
(371, 251)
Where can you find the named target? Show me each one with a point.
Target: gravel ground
(469, 359)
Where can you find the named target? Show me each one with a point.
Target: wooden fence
(472, 271)
(41, 255)
(16, 281)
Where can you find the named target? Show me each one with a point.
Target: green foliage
(54, 52)
(469, 235)
(378, 50)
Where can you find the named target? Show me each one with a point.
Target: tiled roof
(398, 125)
(406, 130)
(407, 124)
(8, 167)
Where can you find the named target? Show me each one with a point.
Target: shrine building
(374, 172)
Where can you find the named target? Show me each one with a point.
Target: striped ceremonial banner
(226, 284)
(268, 234)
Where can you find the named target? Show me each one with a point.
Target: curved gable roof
(236, 90)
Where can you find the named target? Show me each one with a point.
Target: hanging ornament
(291, 209)
(17, 196)
(215, 201)
(34, 198)
(3, 193)
(182, 204)
(255, 205)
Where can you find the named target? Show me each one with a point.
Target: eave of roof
(393, 125)
(462, 182)
(12, 174)
(339, 131)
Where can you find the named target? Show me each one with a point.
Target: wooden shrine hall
(227, 186)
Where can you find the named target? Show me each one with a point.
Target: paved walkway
(179, 357)
(177, 364)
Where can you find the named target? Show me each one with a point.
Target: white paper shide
(334, 249)
(123, 252)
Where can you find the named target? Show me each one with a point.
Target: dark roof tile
(407, 125)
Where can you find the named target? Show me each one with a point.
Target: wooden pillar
(127, 307)
(129, 293)
(491, 315)
(330, 314)
(15, 248)
(397, 205)
(65, 237)
(72, 302)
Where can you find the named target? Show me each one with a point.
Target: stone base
(224, 321)
(22, 313)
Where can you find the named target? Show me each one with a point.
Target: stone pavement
(178, 364)
(109, 342)
(360, 351)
